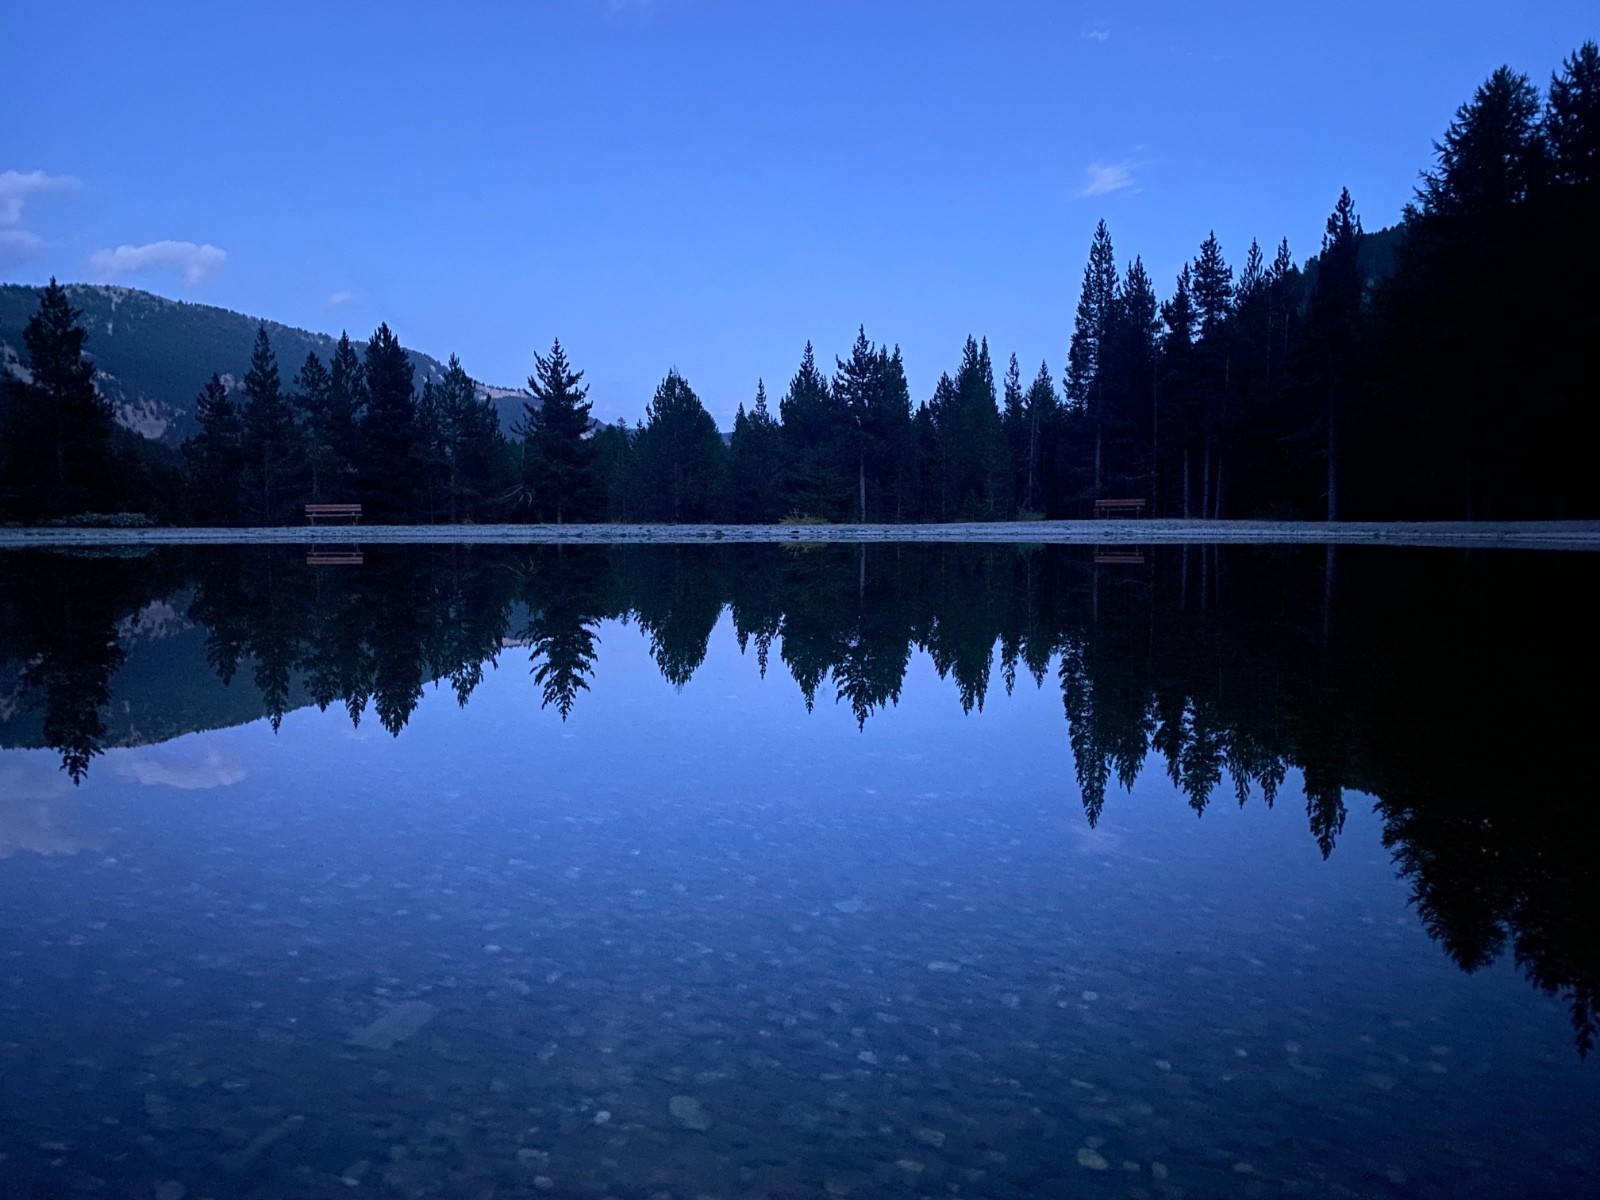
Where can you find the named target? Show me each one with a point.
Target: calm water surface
(939, 871)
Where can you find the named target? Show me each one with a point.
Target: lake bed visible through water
(783, 872)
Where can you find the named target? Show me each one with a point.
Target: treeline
(1227, 669)
(1442, 373)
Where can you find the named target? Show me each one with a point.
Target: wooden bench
(334, 558)
(1108, 508)
(333, 512)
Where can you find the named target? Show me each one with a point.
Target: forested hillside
(152, 354)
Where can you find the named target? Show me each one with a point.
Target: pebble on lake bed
(395, 1026)
(689, 1112)
(1092, 1159)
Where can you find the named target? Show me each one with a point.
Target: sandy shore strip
(1533, 535)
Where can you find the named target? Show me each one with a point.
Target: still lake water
(772, 872)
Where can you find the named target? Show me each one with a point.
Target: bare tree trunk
(1333, 453)
(1033, 453)
(1097, 441)
(1155, 446)
(861, 482)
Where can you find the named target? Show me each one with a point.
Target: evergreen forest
(1436, 370)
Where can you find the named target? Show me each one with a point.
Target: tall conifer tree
(1085, 385)
(560, 471)
(57, 427)
(216, 456)
(389, 468)
(310, 398)
(339, 428)
(755, 463)
(679, 455)
(272, 439)
(818, 433)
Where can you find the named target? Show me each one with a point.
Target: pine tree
(1456, 346)
(1572, 120)
(1014, 422)
(1096, 302)
(1213, 299)
(389, 466)
(1332, 330)
(310, 401)
(1042, 410)
(1283, 279)
(818, 432)
(57, 427)
(339, 426)
(615, 462)
(432, 454)
(679, 456)
(755, 463)
(1212, 288)
(1131, 388)
(474, 446)
(559, 469)
(870, 389)
(1567, 248)
(1177, 383)
(894, 444)
(971, 444)
(216, 455)
(1493, 154)
(272, 441)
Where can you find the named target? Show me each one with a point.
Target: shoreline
(1531, 535)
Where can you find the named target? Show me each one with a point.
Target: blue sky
(707, 184)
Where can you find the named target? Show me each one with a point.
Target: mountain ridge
(153, 354)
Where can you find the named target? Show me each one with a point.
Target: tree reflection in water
(1453, 687)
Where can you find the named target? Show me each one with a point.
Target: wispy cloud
(17, 187)
(1101, 179)
(1097, 33)
(343, 300)
(194, 261)
(18, 243)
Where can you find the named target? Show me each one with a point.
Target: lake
(772, 871)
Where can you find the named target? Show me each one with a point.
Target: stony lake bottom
(924, 871)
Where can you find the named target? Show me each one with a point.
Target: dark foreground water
(938, 871)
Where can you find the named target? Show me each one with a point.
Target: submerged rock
(1092, 1159)
(395, 1026)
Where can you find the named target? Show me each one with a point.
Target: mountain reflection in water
(1453, 688)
